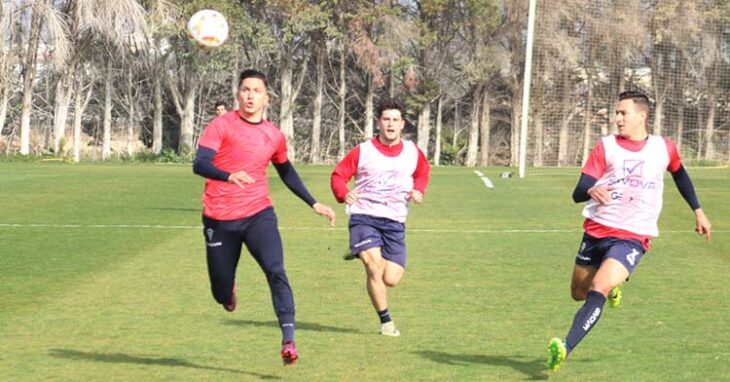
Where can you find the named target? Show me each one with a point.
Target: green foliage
(165, 156)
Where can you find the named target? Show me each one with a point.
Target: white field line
(487, 182)
(414, 230)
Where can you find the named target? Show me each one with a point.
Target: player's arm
(203, 165)
(592, 171)
(293, 182)
(585, 183)
(687, 190)
(421, 177)
(343, 172)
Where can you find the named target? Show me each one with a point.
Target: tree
(29, 68)
(291, 23)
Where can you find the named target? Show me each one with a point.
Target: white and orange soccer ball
(207, 29)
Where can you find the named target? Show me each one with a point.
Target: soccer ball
(207, 29)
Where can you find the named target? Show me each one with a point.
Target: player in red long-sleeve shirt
(234, 151)
(389, 173)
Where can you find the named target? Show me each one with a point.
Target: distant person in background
(233, 154)
(389, 173)
(220, 108)
(622, 183)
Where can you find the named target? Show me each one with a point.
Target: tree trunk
(588, 118)
(342, 94)
(130, 113)
(80, 103)
(368, 123)
(473, 140)
(28, 77)
(60, 114)
(485, 126)
(539, 159)
(515, 131)
(565, 120)
(157, 116)
(424, 126)
(286, 123)
(4, 96)
(107, 124)
(187, 120)
(710, 123)
(437, 146)
(318, 95)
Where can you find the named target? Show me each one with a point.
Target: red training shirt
(240, 145)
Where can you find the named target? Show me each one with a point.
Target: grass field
(102, 277)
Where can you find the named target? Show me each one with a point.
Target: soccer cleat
(349, 256)
(558, 353)
(614, 297)
(230, 306)
(289, 353)
(388, 329)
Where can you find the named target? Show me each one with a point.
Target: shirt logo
(633, 168)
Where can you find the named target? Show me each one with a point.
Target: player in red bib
(233, 153)
(622, 184)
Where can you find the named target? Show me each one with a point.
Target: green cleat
(558, 353)
(614, 298)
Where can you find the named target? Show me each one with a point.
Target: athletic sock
(287, 332)
(384, 316)
(585, 319)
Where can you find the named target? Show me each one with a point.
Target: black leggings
(260, 233)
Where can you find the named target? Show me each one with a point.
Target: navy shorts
(593, 251)
(369, 232)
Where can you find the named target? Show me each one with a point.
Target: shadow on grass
(299, 326)
(534, 369)
(141, 360)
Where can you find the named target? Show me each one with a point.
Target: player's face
(630, 120)
(252, 98)
(390, 124)
(220, 110)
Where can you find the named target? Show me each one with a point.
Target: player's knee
(602, 287)
(375, 270)
(578, 294)
(391, 281)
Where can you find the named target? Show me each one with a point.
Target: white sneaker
(388, 329)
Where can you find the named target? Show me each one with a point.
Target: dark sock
(384, 316)
(585, 319)
(287, 332)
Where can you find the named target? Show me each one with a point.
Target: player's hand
(351, 197)
(702, 224)
(416, 196)
(325, 211)
(601, 194)
(240, 178)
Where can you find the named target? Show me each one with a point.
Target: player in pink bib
(389, 173)
(234, 151)
(622, 184)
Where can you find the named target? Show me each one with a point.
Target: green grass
(487, 285)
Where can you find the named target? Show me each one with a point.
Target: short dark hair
(251, 73)
(220, 103)
(391, 104)
(640, 99)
